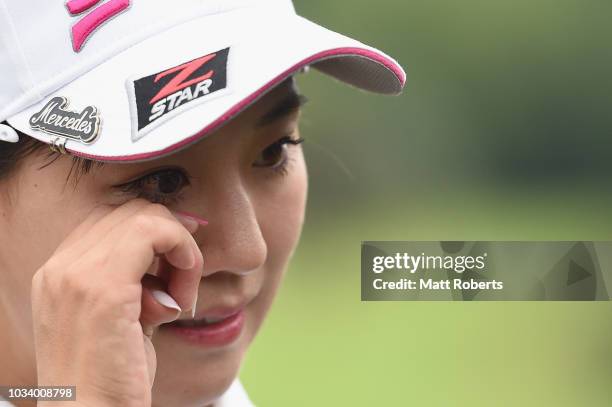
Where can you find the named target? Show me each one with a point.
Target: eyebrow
(283, 108)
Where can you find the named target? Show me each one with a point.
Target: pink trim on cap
(78, 6)
(87, 25)
(386, 62)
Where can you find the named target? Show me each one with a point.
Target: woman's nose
(232, 241)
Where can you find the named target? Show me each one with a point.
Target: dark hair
(12, 153)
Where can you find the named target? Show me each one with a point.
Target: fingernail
(192, 261)
(192, 219)
(8, 134)
(193, 309)
(190, 224)
(164, 299)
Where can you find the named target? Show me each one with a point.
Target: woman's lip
(222, 311)
(217, 334)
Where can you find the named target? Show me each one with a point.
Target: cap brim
(264, 50)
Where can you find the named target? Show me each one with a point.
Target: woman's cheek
(281, 215)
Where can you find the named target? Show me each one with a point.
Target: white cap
(133, 80)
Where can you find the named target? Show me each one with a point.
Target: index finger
(135, 244)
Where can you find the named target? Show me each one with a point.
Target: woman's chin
(193, 378)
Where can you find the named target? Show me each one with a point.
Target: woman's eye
(275, 155)
(159, 186)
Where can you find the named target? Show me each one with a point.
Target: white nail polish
(164, 299)
(193, 309)
(8, 134)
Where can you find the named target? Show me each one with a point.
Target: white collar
(235, 396)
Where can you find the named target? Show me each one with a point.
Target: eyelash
(137, 187)
(282, 168)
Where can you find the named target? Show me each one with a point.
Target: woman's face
(245, 179)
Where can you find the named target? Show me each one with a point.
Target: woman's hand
(93, 321)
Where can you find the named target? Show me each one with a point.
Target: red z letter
(177, 83)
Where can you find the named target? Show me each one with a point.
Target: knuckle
(158, 209)
(58, 281)
(71, 283)
(143, 223)
(72, 278)
(77, 286)
(43, 279)
(51, 265)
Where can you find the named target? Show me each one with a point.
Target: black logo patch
(54, 118)
(157, 95)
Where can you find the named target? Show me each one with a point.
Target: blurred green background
(503, 133)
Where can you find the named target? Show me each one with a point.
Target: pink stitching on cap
(78, 6)
(83, 29)
(239, 107)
